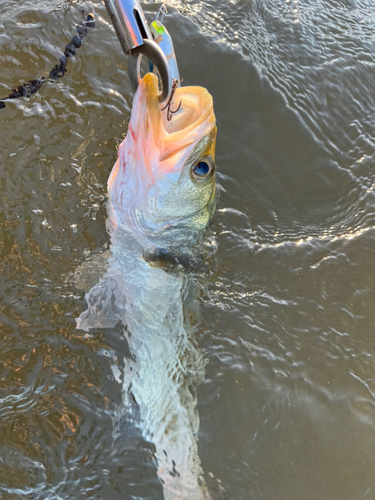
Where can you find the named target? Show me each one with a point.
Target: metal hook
(171, 112)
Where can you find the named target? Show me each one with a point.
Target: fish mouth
(193, 120)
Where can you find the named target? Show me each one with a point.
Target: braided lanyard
(30, 87)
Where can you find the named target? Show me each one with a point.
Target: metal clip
(136, 41)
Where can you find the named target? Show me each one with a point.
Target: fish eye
(203, 169)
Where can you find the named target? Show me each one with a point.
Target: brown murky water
(287, 408)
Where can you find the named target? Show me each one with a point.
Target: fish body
(161, 196)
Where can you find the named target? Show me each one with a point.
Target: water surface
(286, 316)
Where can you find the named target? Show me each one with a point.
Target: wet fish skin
(151, 186)
(157, 207)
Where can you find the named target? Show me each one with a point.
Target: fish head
(163, 184)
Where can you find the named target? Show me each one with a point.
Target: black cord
(30, 87)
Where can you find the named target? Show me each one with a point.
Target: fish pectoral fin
(87, 274)
(172, 259)
(106, 304)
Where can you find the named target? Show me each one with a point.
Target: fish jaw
(151, 179)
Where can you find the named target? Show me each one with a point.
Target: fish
(161, 198)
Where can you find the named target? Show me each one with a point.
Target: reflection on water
(287, 404)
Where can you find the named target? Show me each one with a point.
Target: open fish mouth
(195, 107)
(149, 122)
